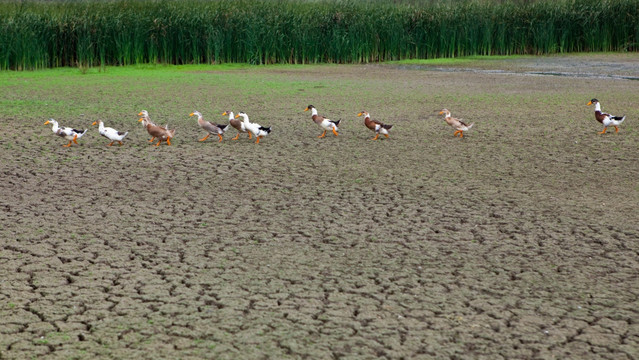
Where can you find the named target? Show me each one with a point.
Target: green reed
(38, 34)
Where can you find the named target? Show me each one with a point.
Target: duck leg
(461, 134)
(75, 138)
(386, 135)
(258, 139)
(159, 142)
(323, 134)
(250, 135)
(604, 130)
(67, 145)
(168, 141)
(335, 132)
(616, 129)
(120, 142)
(152, 139)
(456, 132)
(236, 137)
(220, 136)
(206, 137)
(376, 136)
(111, 143)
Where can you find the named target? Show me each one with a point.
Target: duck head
(445, 112)
(363, 113)
(51, 121)
(593, 101)
(196, 113)
(310, 107)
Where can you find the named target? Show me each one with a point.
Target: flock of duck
(163, 133)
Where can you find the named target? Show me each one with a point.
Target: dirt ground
(518, 241)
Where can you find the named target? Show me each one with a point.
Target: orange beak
(441, 112)
(237, 116)
(306, 109)
(95, 122)
(224, 113)
(589, 103)
(47, 123)
(141, 119)
(360, 114)
(191, 114)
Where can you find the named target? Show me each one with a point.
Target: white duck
(66, 132)
(256, 129)
(110, 133)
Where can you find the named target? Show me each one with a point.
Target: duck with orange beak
(606, 119)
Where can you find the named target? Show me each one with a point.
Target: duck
(66, 132)
(606, 119)
(323, 122)
(377, 126)
(110, 133)
(209, 126)
(256, 129)
(457, 124)
(146, 120)
(237, 124)
(162, 133)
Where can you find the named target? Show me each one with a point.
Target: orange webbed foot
(206, 137)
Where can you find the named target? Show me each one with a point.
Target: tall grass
(36, 34)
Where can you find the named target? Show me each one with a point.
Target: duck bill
(47, 122)
(224, 113)
(589, 103)
(140, 120)
(140, 113)
(441, 113)
(191, 114)
(237, 116)
(95, 122)
(360, 114)
(306, 109)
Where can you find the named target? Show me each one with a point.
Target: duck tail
(387, 127)
(171, 133)
(471, 125)
(617, 120)
(336, 122)
(267, 129)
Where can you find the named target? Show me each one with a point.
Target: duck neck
(313, 112)
(100, 126)
(246, 119)
(597, 107)
(231, 116)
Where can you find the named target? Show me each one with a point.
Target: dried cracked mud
(518, 241)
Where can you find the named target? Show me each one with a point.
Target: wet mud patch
(517, 241)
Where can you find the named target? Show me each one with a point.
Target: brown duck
(237, 124)
(209, 126)
(457, 124)
(161, 133)
(377, 126)
(323, 122)
(606, 119)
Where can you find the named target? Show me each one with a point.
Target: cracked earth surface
(518, 241)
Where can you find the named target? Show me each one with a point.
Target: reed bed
(37, 34)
